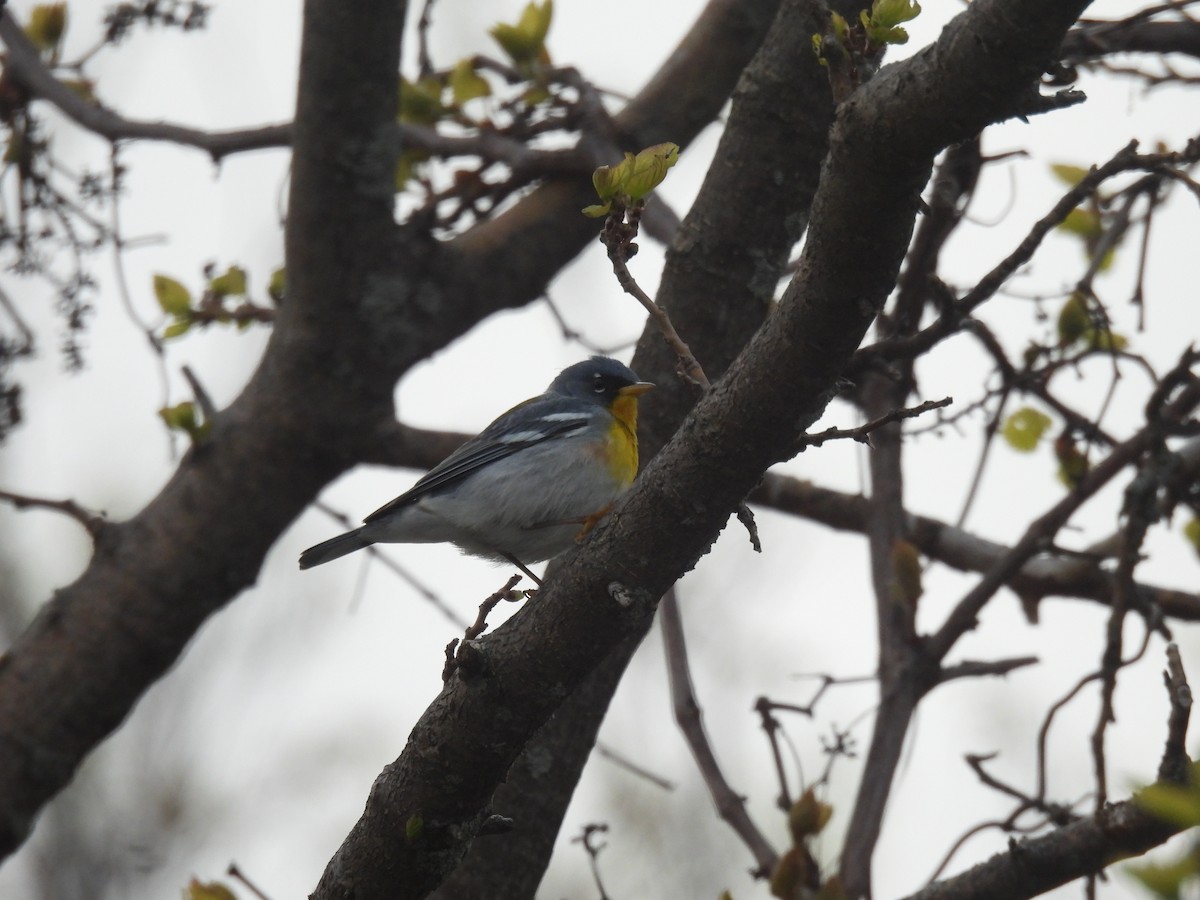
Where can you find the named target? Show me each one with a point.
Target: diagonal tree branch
(437, 792)
(366, 301)
(1081, 576)
(1074, 577)
(1085, 847)
(25, 66)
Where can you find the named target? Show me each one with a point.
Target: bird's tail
(333, 548)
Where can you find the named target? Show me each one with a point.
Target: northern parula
(527, 486)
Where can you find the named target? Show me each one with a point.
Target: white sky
(290, 701)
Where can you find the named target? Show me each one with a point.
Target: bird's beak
(636, 389)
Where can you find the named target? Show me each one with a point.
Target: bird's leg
(589, 522)
(520, 565)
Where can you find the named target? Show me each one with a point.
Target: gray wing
(542, 418)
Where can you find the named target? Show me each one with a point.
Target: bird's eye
(598, 383)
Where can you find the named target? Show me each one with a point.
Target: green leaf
(636, 176)
(841, 28)
(47, 24)
(597, 210)
(1165, 880)
(172, 296)
(176, 328)
(1191, 531)
(807, 817)
(467, 84)
(1177, 804)
(1070, 175)
(607, 180)
(1024, 428)
(184, 417)
(883, 24)
(650, 168)
(525, 42)
(421, 101)
(1106, 341)
(1073, 320)
(414, 826)
(211, 890)
(276, 285)
(231, 283)
(892, 12)
(1083, 222)
(818, 45)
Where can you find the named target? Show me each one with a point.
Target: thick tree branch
(24, 65)
(1035, 865)
(982, 68)
(365, 303)
(1092, 40)
(1079, 576)
(720, 275)
(75, 674)
(1044, 576)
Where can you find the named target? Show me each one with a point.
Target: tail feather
(334, 548)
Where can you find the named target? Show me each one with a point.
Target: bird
(527, 487)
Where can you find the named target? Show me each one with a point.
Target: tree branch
(1085, 847)
(438, 789)
(1045, 576)
(1042, 531)
(24, 64)
(730, 805)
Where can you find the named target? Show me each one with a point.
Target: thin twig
(375, 553)
(971, 668)
(479, 626)
(730, 806)
(1176, 765)
(862, 433)
(587, 840)
(234, 872)
(1041, 531)
(629, 765)
(94, 523)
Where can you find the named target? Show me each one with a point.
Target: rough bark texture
(366, 300)
(880, 156)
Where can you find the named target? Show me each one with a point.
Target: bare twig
(1058, 575)
(234, 872)
(1127, 159)
(620, 230)
(629, 765)
(971, 668)
(862, 433)
(95, 523)
(771, 727)
(479, 626)
(1085, 846)
(1041, 532)
(588, 840)
(1176, 765)
(730, 806)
